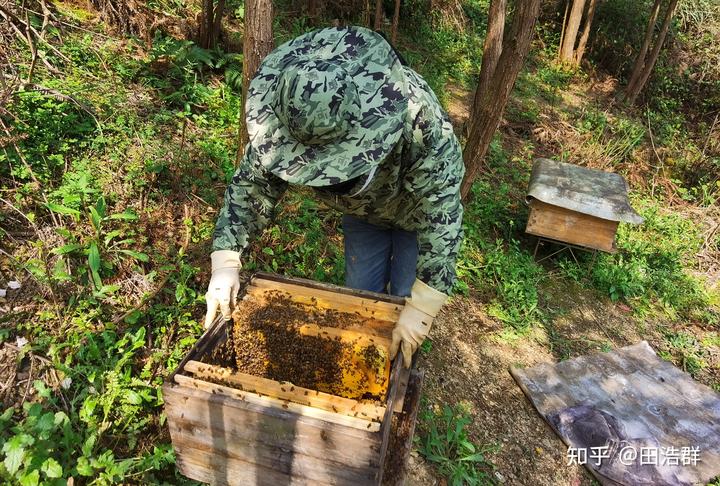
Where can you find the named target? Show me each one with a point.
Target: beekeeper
(336, 110)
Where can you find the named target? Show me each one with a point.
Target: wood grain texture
(236, 432)
(373, 309)
(387, 420)
(267, 456)
(270, 402)
(395, 466)
(220, 471)
(287, 391)
(572, 227)
(289, 430)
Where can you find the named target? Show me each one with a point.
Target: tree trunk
(573, 25)
(564, 26)
(640, 59)
(489, 106)
(210, 23)
(312, 10)
(396, 18)
(217, 23)
(580, 51)
(492, 47)
(378, 14)
(652, 59)
(257, 43)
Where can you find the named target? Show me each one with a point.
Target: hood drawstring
(370, 176)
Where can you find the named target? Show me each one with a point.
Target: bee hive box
(236, 418)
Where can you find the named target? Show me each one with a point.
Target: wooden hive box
(576, 205)
(258, 431)
(568, 226)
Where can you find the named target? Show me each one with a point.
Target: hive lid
(588, 191)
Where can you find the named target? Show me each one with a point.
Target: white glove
(415, 320)
(224, 284)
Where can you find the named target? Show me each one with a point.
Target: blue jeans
(379, 259)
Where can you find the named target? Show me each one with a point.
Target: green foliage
(650, 268)
(444, 441)
(509, 274)
(617, 137)
(302, 242)
(443, 55)
(186, 65)
(691, 353)
(51, 130)
(499, 266)
(112, 388)
(103, 249)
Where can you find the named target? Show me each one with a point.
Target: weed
(651, 264)
(102, 248)
(304, 241)
(615, 138)
(691, 353)
(443, 440)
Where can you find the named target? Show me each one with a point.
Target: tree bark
(257, 43)
(210, 23)
(217, 23)
(395, 20)
(580, 51)
(642, 54)
(312, 10)
(489, 106)
(492, 47)
(378, 14)
(567, 47)
(652, 59)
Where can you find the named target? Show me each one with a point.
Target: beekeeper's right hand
(224, 284)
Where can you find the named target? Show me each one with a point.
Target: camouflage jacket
(416, 188)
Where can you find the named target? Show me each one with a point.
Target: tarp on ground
(638, 419)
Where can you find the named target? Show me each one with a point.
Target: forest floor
(113, 172)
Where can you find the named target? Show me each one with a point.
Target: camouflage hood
(327, 106)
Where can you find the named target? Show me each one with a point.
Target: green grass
(443, 440)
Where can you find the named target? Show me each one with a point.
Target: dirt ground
(469, 361)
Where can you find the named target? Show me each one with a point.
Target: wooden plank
(395, 467)
(219, 471)
(564, 225)
(218, 443)
(211, 338)
(314, 284)
(270, 402)
(347, 335)
(371, 308)
(249, 422)
(387, 420)
(373, 326)
(402, 389)
(287, 391)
